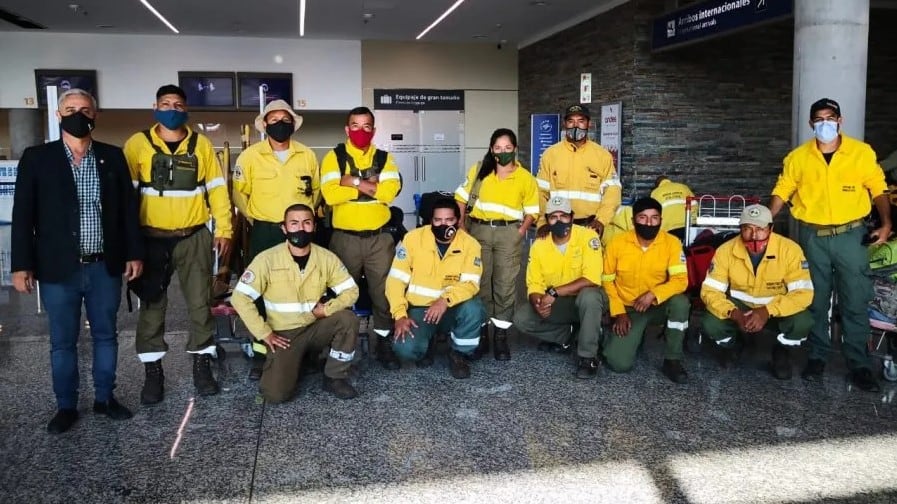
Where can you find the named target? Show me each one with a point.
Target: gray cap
(757, 215)
(558, 204)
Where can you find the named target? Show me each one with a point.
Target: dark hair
(297, 207)
(660, 179)
(489, 165)
(445, 202)
(168, 89)
(359, 111)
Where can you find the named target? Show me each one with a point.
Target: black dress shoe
(814, 370)
(112, 409)
(62, 421)
(672, 369)
(862, 378)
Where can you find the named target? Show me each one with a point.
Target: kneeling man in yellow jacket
(292, 278)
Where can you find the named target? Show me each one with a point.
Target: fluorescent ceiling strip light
(158, 15)
(301, 18)
(440, 18)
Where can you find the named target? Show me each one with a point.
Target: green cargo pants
(192, 260)
(619, 352)
(371, 256)
(794, 328)
(839, 262)
(338, 332)
(501, 264)
(585, 309)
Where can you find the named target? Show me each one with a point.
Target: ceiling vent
(20, 21)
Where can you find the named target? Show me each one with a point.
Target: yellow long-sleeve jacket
(548, 267)
(831, 194)
(782, 283)
(585, 175)
(264, 186)
(418, 276)
(351, 209)
(671, 196)
(511, 198)
(630, 271)
(180, 209)
(290, 295)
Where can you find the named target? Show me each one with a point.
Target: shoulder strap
(341, 157)
(149, 138)
(380, 160)
(191, 143)
(474, 191)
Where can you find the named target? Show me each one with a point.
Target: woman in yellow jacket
(500, 198)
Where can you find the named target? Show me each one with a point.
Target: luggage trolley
(883, 326)
(709, 216)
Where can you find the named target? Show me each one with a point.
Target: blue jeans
(462, 322)
(101, 295)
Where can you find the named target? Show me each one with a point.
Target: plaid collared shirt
(87, 183)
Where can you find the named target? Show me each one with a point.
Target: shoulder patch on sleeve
(477, 261)
(238, 172)
(401, 252)
(804, 265)
(594, 244)
(248, 277)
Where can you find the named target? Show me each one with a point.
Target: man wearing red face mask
(759, 280)
(358, 182)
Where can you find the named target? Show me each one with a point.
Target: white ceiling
(513, 22)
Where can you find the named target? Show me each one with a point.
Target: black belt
(90, 258)
(363, 234)
(585, 221)
(495, 223)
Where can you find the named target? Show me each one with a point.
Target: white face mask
(826, 131)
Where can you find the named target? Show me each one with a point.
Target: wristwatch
(356, 181)
(551, 291)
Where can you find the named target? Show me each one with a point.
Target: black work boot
(586, 368)
(340, 387)
(202, 375)
(500, 345)
(863, 379)
(256, 364)
(458, 365)
(154, 386)
(781, 362)
(672, 369)
(814, 371)
(483, 348)
(385, 355)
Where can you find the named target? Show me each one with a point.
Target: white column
(831, 42)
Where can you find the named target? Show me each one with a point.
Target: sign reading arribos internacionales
(714, 18)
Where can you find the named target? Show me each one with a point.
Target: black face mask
(299, 239)
(280, 131)
(646, 232)
(78, 125)
(444, 233)
(560, 229)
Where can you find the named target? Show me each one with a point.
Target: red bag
(697, 261)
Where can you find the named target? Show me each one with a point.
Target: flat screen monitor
(278, 86)
(209, 90)
(64, 80)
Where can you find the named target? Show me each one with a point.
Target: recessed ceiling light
(105, 26)
(479, 36)
(539, 3)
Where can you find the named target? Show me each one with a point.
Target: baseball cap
(757, 215)
(577, 109)
(558, 204)
(825, 103)
(271, 107)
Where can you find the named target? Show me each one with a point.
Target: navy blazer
(45, 214)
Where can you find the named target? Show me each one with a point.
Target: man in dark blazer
(75, 229)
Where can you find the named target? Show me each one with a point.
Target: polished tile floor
(519, 431)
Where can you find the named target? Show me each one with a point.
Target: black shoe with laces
(862, 378)
(500, 345)
(256, 364)
(673, 369)
(62, 421)
(587, 367)
(112, 409)
(814, 371)
(154, 386)
(202, 375)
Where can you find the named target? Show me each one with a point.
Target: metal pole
(262, 103)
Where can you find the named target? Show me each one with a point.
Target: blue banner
(713, 18)
(545, 131)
